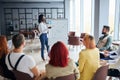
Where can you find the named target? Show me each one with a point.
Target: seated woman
(60, 64)
(3, 52)
(89, 60)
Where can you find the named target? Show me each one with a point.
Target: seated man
(15, 61)
(105, 41)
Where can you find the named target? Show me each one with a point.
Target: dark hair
(107, 27)
(59, 55)
(17, 40)
(40, 18)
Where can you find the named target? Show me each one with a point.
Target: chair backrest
(101, 73)
(6, 73)
(21, 75)
(68, 77)
(71, 33)
(74, 40)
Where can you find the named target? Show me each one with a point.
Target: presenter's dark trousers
(44, 42)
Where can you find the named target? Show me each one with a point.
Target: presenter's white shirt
(42, 27)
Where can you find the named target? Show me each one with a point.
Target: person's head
(59, 55)
(105, 29)
(3, 46)
(18, 40)
(89, 41)
(41, 18)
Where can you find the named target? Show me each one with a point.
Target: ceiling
(31, 0)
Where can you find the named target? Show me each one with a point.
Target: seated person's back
(27, 63)
(89, 60)
(59, 64)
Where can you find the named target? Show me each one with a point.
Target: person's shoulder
(48, 66)
(96, 49)
(70, 61)
(101, 37)
(109, 36)
(83, 51)
(28, 56)
(41, 23)
(29, 59)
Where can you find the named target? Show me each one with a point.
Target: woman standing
(43, 29)
(89, 60)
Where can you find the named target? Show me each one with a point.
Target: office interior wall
(25, 5)
(67, 11)
(33, 5)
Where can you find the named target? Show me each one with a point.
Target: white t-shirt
(42, 28)
(25, 65)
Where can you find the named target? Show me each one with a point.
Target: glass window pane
(111, 16)
(87, 16)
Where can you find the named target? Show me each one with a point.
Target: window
(111, 16)
(87, 13)
(81, 16)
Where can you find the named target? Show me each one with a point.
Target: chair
(71, 33)
(68, 77)
(27, 34)
(74, 41)
(21, 75)
(82, 35)
(101, 73)
(6, 74)
(35, 34)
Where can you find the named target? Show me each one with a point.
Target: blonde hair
(89, 41)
